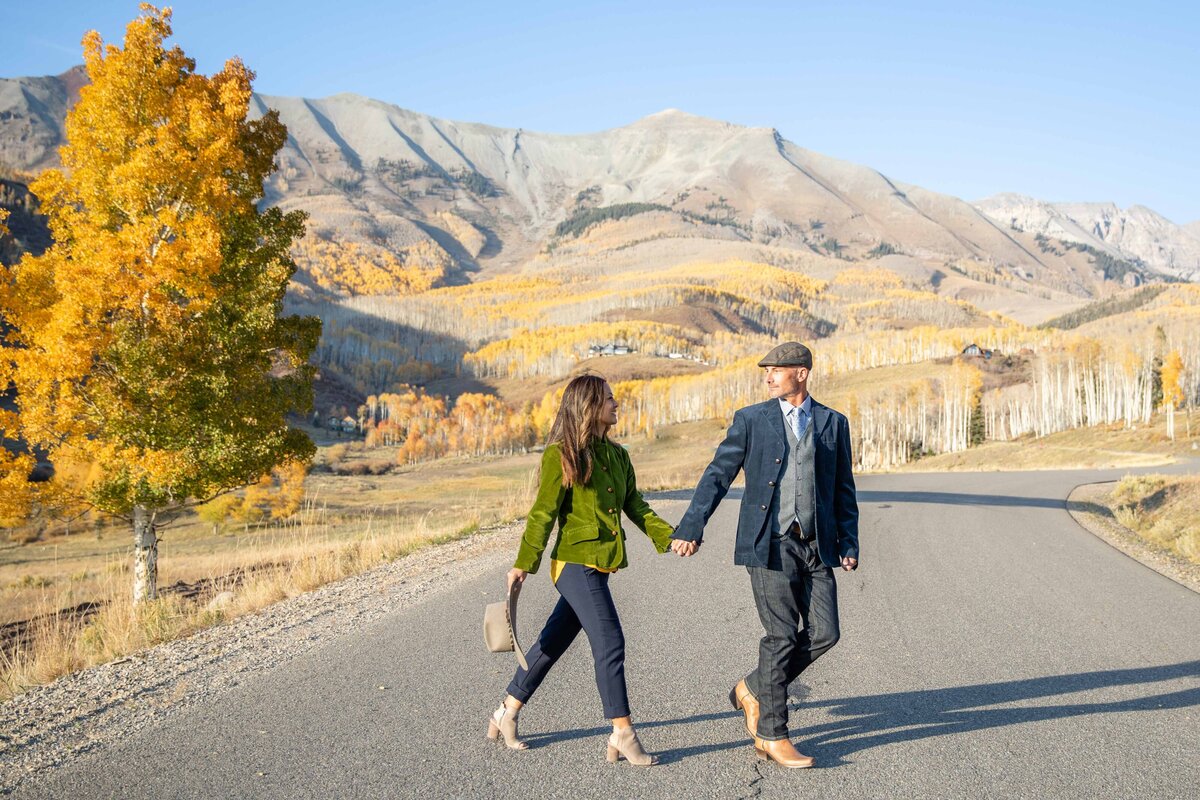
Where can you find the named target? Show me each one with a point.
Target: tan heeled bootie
(624, 742)
(504, 721)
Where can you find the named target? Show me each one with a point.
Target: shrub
(336, 454)
(584, 218)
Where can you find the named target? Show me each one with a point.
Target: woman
(586, 482)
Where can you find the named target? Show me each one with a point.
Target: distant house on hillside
(602, 350)
(975, 351)
(342, 424)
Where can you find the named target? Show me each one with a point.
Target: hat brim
(766, 363)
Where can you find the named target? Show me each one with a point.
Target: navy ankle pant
(586, 604)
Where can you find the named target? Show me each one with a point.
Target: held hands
(849, 564)
(684, 548)
(516, 576)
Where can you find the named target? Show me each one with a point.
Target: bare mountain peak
(74, 79)
(373, 171)
(675, 114)
(1137, 209)
(1136, 233)
(1007, 198)
(676, 118)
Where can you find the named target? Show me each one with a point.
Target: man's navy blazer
(756, 442)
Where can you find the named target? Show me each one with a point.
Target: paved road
(991, 648)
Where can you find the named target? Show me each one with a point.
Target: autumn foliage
(359, 269)
(147, 343)
(423, 426)
(542, 327)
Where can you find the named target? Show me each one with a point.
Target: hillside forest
(474, 369)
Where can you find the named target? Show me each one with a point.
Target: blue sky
(1059, 100)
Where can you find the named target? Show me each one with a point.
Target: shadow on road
(882, 719)
(665, 756)
(686, 494)
(952, 499)
(933, 498)
(906, 716)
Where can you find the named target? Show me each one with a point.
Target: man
(798, 520)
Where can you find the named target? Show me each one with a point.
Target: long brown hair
(575, 426)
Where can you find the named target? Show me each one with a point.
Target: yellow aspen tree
(290, 494)
(257, 500)
(1172, 368)
(15, 463)
(148, 339)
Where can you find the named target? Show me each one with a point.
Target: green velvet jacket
(589, 515)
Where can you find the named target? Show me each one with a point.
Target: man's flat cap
(788, 354)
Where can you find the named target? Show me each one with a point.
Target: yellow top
(556, 568)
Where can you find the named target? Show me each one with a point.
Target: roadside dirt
(1086, 505)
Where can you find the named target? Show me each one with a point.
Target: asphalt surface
(990, 648)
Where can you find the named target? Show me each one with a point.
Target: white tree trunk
(145, 555)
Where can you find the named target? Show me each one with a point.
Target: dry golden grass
(1164, 510)
(323, 543)
(676, 456)
(1099, 447)
(60, 645)
(62, 570)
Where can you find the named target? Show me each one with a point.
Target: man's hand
(684, 548)
(516, 576)
(849, 564)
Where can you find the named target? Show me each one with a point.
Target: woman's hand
(684, 548)
(516, 576)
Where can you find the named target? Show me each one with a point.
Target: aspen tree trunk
(145, 555)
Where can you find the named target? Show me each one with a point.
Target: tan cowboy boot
(504, 721)
(782, 752)
(624, 742)
(744, 700)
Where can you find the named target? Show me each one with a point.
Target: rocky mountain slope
(1136, 233)
(454, 198)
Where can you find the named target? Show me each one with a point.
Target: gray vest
(797, 487)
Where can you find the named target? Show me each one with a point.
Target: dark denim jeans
(585, 604)
(796, 598)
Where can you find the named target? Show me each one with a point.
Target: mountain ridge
(386, 177)
(1137, 230)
